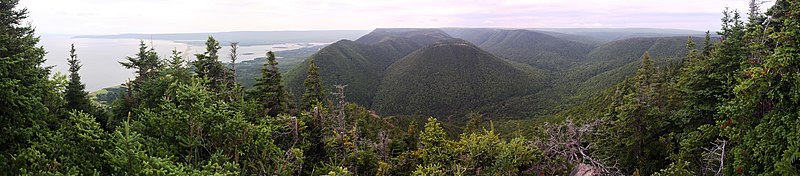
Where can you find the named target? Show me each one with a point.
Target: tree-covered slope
(615, 34)
(451, 77)
(566, 68)
(613, 62)
(603, 67)
(534, 48)
(419, 36)
(360, 64)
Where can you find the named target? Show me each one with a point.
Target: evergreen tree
(236, 93)
(763, 116)
(639, 123)
(474, 123)
(80, 143)
(434, 145)
(233, 57)
(314, 93)
(205, 65)
(269, 90)
(209, 66)
(76, 96)
(177, 66)
(24, 88)
(708, 45)
(145, 63)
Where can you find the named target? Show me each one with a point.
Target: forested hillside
(536, 49)
(420, 102)
(564, 67)
(614, 34)
(452, 77)
(361, 64)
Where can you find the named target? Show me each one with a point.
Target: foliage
(360, 64)
(26, 94)
(721, 108)
(450, 78)
(314, 92)
(534, 48)
(208, 65)
(269, 91)
(676, 169)
(75, 94)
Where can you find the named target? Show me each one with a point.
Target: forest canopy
(720, 104)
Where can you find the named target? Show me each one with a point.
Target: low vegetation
(725, 106)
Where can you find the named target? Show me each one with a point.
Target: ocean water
(100, 57)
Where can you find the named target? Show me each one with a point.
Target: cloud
(162, 16)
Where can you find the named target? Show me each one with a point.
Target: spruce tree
(314, 93)
(269, 91)
(434, 143)
(763, 116)
(177, 66)
(147, 66)
(75, 94)
(233, 56)
(474, 123)
(209, 66)
(24, 86)
(638, 122)
(145, 63)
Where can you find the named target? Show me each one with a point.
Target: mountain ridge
(449, 77)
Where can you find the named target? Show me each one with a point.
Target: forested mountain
(451, 77)
(568, 70)
(614, 34)
(361, 64)
(534, 48)
(419, 36)
(612, 62)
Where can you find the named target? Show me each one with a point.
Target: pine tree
(127, 154)
(763, 116)
(81, 144)
(269, 91)
(639, 123)
(434, 143)
(75, 95)
(236, 93)
(697, 108)
(314, 93)
(707, 44)
(693, 54)
(23, 88)
(177, 66)
(233, 57)
(145, 63)
(209, 66)
(474, 123)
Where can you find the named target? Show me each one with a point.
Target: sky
(186, 16)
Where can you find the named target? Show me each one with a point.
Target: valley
(552, 72)
(421, 88)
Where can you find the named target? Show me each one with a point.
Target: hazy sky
(172, 16)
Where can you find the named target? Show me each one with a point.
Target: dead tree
(382, 146)
(565, 141)
(714, 158)
(233, 57)
(340, 115)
